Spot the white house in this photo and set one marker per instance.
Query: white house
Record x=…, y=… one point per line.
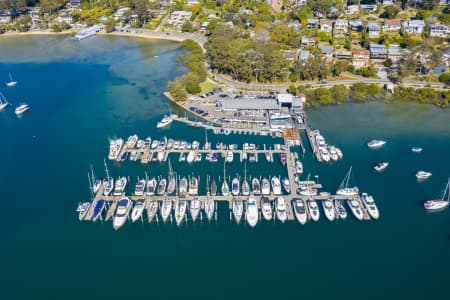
x=5, y=18
x=414, y=26
x=179, y=17
x=392, y=25
x=373, y=29
x=326, y=25
x=340, y=27
x=439, y=30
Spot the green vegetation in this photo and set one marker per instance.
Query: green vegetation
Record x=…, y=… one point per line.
x=423, y=95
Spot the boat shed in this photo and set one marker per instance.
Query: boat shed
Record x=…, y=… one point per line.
x=230, y=104
x=285, y=99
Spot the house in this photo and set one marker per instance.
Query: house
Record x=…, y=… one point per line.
x=326, y=25
x=356, y=25
x=5, y=18
x=192, y=2
x=303, y=55
x=301, y=2
x=327, y=51
x=351, y=9
x=75, y=3
x=439, y=30
x=289, y=55
x=373, y=29
x=340, y=27
x=360, y=58
x=369, y=7
x=64, y=18
x=312, y=23
x=387, y=2
x=212, y=17
x=343, y=54
x=378, y=52
x=308, y=41
x=179, y=17
x=295, y=26
x=392, y=25
x=204, y=26
x=395, y=53
x=414, y=26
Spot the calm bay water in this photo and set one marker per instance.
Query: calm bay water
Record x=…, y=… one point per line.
x=82, y=93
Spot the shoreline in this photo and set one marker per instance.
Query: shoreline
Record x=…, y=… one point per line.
x=35, y=32
x=142, y=35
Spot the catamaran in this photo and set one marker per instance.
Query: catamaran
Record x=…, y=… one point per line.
x=180, y=211
x=235, y=186
x=340, y=209
x=11, y=82
x=108, y=183
x=300, y=210
x=21, y=109
x=152, y=209
x=138, y=209
x=440, y=203
x=376, y=143
x=122, y=212
x=238, y=210
x=3, y=102
x=140, y=187
x=193, y=186
x=265, y=189
x=370, y=205
x=266, y=208
x=251, y=213
x=276, y=185
x=344, y=189
x=119, y=188
x=280, y=209
x=328, y=208
x=356, y=209
x=98, y=209
x=151, y=187
x=166, y=208
x=161, y=187
x=256, y=187
x=313, y=210
x=194, y=209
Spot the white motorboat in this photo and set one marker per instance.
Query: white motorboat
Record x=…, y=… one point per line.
x=276, y=185
x=21, y=109
x=339, y=153
x=108, y=185
x=209, y=207
x=376, y=143
x=11, y=82
x=433, y=205
x=193, y=186
x=154, y=144
x=3, y=102
x=140, y=188
x=160, y=156
x=416, y=149
x=229, y=157
x=256, y=187
x=379, y=167
x=238, y=210
x=165, y=121
x=286, y=185
x=161, y=189
x=138, y=209
x=151, y=187
x=265, y=188
x=83, y=209
x=131, y=142
x=166, y=209
x=198, y=157
x=120, y=185
x=195, y=207
x=298, y=167
x=152, y=210
x=170, y=143
x=140, y=144
x=195, y=145
x=370, y=205
x=122, y=212
x=356, y=209
x=328, y=208
x=320, y=141
x=340, y=209
x=281, y=209
x=344, y=189
x=421, y=175
x=180, y=211
x=114, y=148
x=266, y=208
x=251, y=214
x=300, y=210
x=235, y=186
x=190, y=157
x=323, y=151
x=333, y=153
x=313, y=209
x=183, y=187
x=307, y=191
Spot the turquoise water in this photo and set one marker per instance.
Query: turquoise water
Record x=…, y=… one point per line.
x=82, y=93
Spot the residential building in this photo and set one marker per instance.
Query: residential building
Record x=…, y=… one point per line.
x=303, y=55
x=360, y=58
x=327, y=51
x=308, y=41
x=378, y=52
x=5, y=18
x=369, y=7
x=392, y=25
x=295, y=26
x=343, y=54
x=340, y=27
x=439, y=30
x=387, y=2
x=395, y=53
x=373, y=29
x=356, y=25
x=64, y=18
x=312, y=23
x=352, y=9
x=179, y=17
x=204, y=26
x=326, y=25
x=191, y=2
x=414, y=26
x=75, y=3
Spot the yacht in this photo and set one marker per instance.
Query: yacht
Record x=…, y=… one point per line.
x=166, y=209
x=235, y=186
x=180, y=211
x=3, y=102
x=108, y=186
x=286, y=185
x=195, y=207
x=416, y=149
x=131, y=142
x=11, y=82
x=256, y=187
x=213, y=187
x=340, y=209
x=229, y=157
x=140, y=144
x=307, y=191
x=439, y=203
x=83, y=209
x=140, y=187
x=154, y=144
x=344, y=189
x=183, y=188
x=265, y=189
x=268, y=157
x=172, y=185
x=123, y=157
x=328, y=208
x=165, y=121
x=21, y=109
x=283, y=159
x=280, y=209
x=209, y=207
x=266, y=208
x=161, y=187
x=122, y=212
x=376, y=144
x=298, y=167
x=152, y=209
x=214, y=157
x=324, y=154
x=423, y=175
x=151, y=187
x=276, y=185
x=356, y=209
x=320, y=141
x=198, y=157
x=313, y=210
x=333, y=153
x=147, y=143
x=251, y=213
x=162, y=143
x=191, y=157
x=379, y=167
x=339, y=153
x=195, y=145
x=193, y=186
x=245, y=188
x=98, y=209
x=160, y=156
x=120, y=185
x=170, y=143
x=182, y=157
x=138, y=210
x=238, y=210
x=300, y=210
x=370, y=205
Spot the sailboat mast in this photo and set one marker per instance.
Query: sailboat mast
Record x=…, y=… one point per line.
x=106, y=169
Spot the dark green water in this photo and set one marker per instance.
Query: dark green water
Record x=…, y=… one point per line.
x=82, y=93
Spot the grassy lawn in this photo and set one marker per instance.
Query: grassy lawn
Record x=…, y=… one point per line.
x=206, y=87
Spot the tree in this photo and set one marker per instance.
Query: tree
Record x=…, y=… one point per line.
x=12, y=5
x=187, y=27
x=52, y=5
x=110, y=25
x=390, y=11
x=141, y=8
x=340, y=93
x=408, y=66
x=23, y=23
x=339, y=67
x=365, y=40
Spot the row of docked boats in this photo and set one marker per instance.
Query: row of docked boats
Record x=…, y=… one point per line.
x=256, y=186
x=324, y=152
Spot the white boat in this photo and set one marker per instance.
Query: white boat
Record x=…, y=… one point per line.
x=298, y=167
x=193, y=186
x=21, y=109
x=166, y=209
x=171, y=187
x=300, y=210
x=209, y=207
x=370, y=205
x=265, y=186
x=120, y=185
x=131, y=142
x=356, y=209
x=140, y=144
x=3, y=102
x=320, y=141
x=266, y=208
x=423, y=175
x=333, y=153
x=433, y=205
x=245, y=188
x=122, y=212
x=286, y=185
x=138, y=209
x=183, y=187
x=140, y=188
x=344, y=189
x=151, y=187
x=307, y=191
x=251, y=214
x=276, y=185
x=195, y=145
x=170, y=143
x=161, y=189
x=180, y=211
x=235, y=186
x=340, y=209
x=95, y=182
x=213, y=187
x=225, y=188
x=194, y=208
x=198, y=157
x=376, y=143
x=83, y=209
x=108, y=183
x=280, y=209
x=152, y=209
x=339, y=153
x=11, y=82
x=191, y=156
x=115, y=146
x=313, y=209
x=328, y=208
x=379, y=167
x=229, y=157
x=182, y=157
x=154, y=144
x=256, y=187
x=416, y=149
x=160, y=156
x=165, y=121
x=324, y=154
x=238, y=210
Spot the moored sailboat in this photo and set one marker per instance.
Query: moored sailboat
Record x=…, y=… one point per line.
x=344, y=189
x=138, y=209
x=152, y=209
x=439, y=203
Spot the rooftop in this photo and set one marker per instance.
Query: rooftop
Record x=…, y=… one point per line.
x=250, y=104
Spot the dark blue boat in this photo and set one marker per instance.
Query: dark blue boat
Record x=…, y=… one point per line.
x=124, y=156
x=98, y=209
